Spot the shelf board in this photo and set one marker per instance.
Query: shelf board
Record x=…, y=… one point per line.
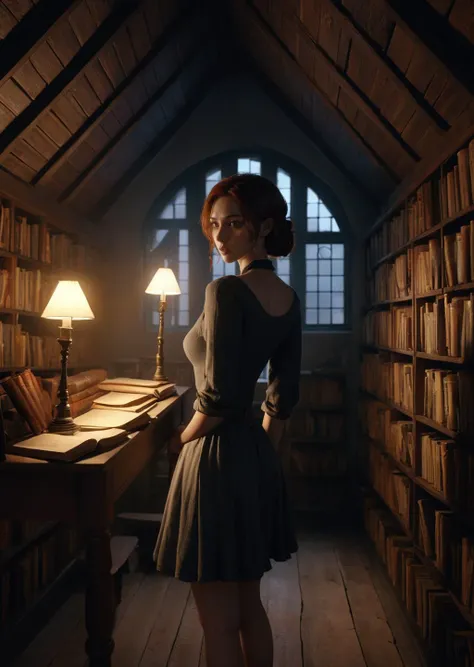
x=390, y=404
x=459, y=288
x=437, y=427
x=441, y=358
x=16, y=311
x=388, y=302
x=394, y=350
x=428, y=295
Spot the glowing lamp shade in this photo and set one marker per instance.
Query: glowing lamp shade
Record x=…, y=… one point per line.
x=163, y=282
x=68, y=301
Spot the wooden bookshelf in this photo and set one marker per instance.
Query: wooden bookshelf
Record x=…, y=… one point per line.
x=315, y=446
x=34, y=255
x=417, y=397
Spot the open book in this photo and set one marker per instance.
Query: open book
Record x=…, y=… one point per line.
x=101, y=419
x=57, y=447
x=155, y=388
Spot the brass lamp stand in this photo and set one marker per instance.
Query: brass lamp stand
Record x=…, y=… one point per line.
x=162, y=283
x=63, y=422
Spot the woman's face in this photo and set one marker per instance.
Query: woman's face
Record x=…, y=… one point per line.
x=229, y=231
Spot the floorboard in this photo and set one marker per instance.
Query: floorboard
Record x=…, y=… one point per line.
x=329, y=605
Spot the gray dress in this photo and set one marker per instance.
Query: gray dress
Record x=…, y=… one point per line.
x=227, y=512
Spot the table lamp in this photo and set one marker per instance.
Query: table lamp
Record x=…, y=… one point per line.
x=162, y=283
x=67, y=303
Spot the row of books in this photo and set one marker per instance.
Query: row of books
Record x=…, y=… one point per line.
x=22, y=289
x=442, y=626
x=395, y=435
x=392, y=485
x=13, y=532
x=388, y=380
x=307, y=424
x=23, y=579
x=457, y=185
x=34, y=240
x=459, y=256
x=448, y=399
x=389, y=328
x=391, y=280
x=320, y=390
x=436, y=200
x=311, y=461
x=19, y=348
x=446, y=326
x=416, y=217
x=427, y=266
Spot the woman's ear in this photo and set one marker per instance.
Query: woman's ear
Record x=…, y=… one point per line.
x=266, y=227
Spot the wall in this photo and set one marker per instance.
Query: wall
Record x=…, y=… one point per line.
x=236, y=114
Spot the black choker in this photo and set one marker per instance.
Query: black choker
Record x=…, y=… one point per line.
x=259, y=264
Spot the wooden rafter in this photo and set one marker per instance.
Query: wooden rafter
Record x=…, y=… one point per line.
x=40, y=105
x=450, y=49
x=161, y=140
x=85, y=176
x=364, y=103
x=34, y=27
x=360, y=139
x=403, y=85
x=317, y=138
x=66, y=150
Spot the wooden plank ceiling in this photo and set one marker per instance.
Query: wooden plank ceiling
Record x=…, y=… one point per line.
x=91, y=89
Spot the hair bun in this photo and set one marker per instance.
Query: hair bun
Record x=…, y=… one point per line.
x=280, y=241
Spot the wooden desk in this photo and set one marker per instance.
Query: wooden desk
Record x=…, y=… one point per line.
x=84, y=493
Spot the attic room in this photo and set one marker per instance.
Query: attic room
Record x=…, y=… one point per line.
x=198, y=473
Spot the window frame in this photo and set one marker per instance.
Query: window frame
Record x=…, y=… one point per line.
x=194, y=181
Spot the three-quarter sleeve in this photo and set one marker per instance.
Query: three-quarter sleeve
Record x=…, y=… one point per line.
x=284, y=375
x=221, y=395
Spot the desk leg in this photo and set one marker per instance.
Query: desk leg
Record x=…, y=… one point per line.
x=100, y=600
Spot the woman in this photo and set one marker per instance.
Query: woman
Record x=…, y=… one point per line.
x=227, y=511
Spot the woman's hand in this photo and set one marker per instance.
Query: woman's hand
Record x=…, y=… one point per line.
x=175, y=444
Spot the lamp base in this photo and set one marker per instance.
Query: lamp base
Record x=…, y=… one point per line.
x=159, y=376
x=65, y=426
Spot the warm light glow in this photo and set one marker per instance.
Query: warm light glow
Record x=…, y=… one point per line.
x=68, y=301
x=163, y=282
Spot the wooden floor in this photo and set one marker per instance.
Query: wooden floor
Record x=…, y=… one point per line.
x=330, y=606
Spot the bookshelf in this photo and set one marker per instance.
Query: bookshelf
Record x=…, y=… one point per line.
x=34, y=255
x=314, y=456
x=416, y=407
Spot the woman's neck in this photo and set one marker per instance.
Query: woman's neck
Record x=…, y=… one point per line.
x=245, y=261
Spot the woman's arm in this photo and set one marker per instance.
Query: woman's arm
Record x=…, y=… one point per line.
x=199, y=425
x=274, y=428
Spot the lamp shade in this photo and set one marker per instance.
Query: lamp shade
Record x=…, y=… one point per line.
x=163, y=282
x=68, y=300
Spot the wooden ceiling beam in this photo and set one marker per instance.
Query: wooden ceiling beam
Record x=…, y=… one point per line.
x=33, y=29
x=373, y=49
x=360, y=139
x=450, y=49
x=161, y=140
x=84, y=177
x=40, y=105
x=68, y=148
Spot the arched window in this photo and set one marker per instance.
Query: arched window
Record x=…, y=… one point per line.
x=317, y=268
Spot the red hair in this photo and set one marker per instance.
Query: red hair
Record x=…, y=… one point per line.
x=258, y=199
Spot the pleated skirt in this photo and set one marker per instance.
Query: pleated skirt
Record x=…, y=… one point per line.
x=227, y=514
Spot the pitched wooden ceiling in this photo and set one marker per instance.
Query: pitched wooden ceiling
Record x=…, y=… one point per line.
x=91, y=89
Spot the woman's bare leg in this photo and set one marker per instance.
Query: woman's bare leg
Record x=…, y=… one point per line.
x=255, y=630
x=219, y=611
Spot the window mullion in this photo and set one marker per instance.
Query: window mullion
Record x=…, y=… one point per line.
x=297, y=257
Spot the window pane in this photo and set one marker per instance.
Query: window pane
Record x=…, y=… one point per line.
x=324, y=283
x=312, y=300
x=311, y=196
x=283, y=179
x=323, y=211
x=334, y=226
x=212, y=178
x=312, y=224
x=176, y=208
x=183, y=318
x=324, y=224
x=159, y=235
x=312, y=210
x=255, y=167
x=243, y=165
